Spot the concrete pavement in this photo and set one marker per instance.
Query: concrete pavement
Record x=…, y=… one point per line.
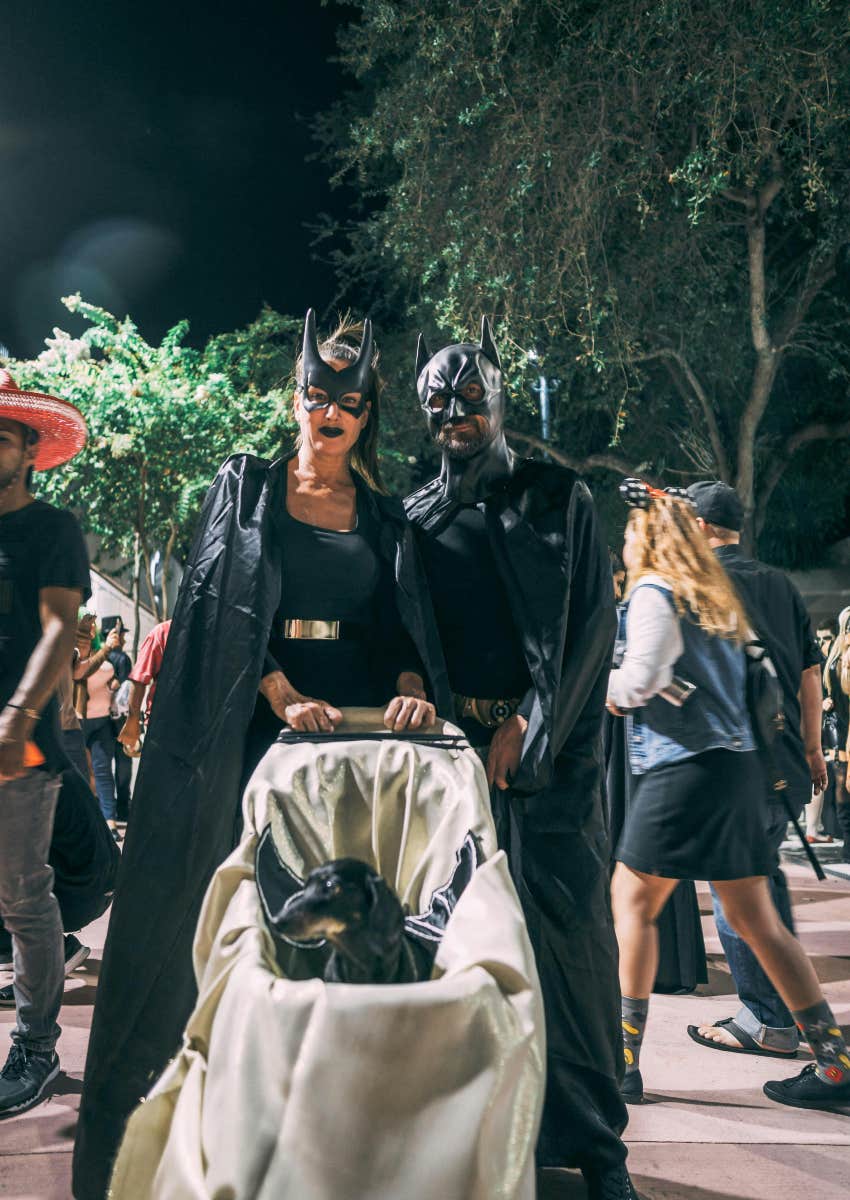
x=707, y=1131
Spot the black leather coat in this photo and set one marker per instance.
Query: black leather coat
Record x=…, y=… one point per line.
x=186, y=802
x=545, y=540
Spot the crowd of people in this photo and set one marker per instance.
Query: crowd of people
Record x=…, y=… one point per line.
x=486, y=598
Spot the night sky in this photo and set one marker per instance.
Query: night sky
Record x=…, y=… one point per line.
x=152, y=157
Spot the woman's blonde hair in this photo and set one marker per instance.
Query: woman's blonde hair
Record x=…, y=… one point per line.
x=839, y=655
x=344, y=343
x=669, y=543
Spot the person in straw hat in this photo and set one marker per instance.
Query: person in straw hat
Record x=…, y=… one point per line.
x=44, y=577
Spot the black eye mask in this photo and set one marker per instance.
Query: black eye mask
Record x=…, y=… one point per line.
x=337, y=386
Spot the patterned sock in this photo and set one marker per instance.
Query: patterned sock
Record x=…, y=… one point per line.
x=817, y=1025
x=634, y=1023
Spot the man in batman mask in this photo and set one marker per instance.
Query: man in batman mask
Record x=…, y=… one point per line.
x=522, y=593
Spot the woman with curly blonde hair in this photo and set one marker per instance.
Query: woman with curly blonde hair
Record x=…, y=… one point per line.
x=698, y=809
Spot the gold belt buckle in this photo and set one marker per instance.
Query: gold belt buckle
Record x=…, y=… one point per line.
x=298, y=629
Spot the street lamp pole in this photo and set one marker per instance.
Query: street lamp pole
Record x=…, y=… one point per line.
x=545, y=387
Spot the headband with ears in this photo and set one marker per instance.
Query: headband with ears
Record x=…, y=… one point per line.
x=638, y=494
x=352, y=378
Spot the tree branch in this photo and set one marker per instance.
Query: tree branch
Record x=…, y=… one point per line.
x=166, y=563
x=709, y=415
x=768, y=194
x=758, y=288
x=817, y=431
x=816, y=280
x=590, y=462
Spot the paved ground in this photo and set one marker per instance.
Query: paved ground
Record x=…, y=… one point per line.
x=707, y=1132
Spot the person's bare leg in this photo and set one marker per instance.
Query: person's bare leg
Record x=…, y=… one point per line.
x=637, y=901
x=750, y=910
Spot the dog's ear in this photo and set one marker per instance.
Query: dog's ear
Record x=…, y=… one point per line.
x=385, y=921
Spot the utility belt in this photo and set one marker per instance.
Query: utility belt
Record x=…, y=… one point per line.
x=489, y=713
x=300, y=629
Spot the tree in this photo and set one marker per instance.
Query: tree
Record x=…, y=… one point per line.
x=161, y=420
x=652, y=197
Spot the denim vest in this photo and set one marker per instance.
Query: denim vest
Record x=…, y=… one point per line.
x=714, y=718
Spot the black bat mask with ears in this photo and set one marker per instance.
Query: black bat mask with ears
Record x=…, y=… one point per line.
x=461, y=389
x=338, y=387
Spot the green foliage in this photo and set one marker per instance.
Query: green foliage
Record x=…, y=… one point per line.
x=611, y=181
x=161, y=420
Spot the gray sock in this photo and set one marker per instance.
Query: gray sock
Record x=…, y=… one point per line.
x=634, y=1014
x=820, y=1029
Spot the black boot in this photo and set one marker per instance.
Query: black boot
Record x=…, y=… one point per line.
x=609, y=1183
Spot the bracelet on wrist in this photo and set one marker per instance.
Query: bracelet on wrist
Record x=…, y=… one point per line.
x=32, y=713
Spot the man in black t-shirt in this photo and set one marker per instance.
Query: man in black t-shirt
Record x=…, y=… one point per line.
x=763, y=1025
x=44, y=577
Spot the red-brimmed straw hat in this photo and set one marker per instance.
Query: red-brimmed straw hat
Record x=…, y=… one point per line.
x=60, y=426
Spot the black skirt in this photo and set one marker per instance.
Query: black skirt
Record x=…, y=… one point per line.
x=681, y=947
x=702, y=818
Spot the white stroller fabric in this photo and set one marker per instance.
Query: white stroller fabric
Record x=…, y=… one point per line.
x=288, y=1088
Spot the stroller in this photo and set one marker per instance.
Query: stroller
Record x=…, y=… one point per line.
x=291, y=1088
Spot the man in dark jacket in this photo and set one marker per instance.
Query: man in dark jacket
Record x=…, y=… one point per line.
x=522, y=593
x=763, y=1025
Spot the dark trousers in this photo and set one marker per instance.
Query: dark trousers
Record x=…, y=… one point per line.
x=101, y=745
x=29, y=908
x=123, y=767
x=842, y=806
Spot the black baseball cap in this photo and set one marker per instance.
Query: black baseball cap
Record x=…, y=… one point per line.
x=717, y=504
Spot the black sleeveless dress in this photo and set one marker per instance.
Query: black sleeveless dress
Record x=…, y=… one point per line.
x=330, y=575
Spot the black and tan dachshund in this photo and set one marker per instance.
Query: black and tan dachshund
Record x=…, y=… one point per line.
x=346, y=903
x=348, y=906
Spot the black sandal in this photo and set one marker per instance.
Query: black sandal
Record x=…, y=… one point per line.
x=748, y=1045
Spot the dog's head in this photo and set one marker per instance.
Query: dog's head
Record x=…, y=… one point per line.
x=341, y=898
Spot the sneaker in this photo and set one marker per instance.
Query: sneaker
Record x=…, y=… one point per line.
x=631, y=1089
x=806, y=1090
x=7, y=997
x=75, y=953
x=24, y=1078
x=613, y=1183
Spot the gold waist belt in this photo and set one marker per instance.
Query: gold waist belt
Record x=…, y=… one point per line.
x=299, y=629
x=490, y=713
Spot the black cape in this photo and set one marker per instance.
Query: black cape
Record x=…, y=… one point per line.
x=186, y=803
x=553, y=823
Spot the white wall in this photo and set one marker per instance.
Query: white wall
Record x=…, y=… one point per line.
x=109, y=599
